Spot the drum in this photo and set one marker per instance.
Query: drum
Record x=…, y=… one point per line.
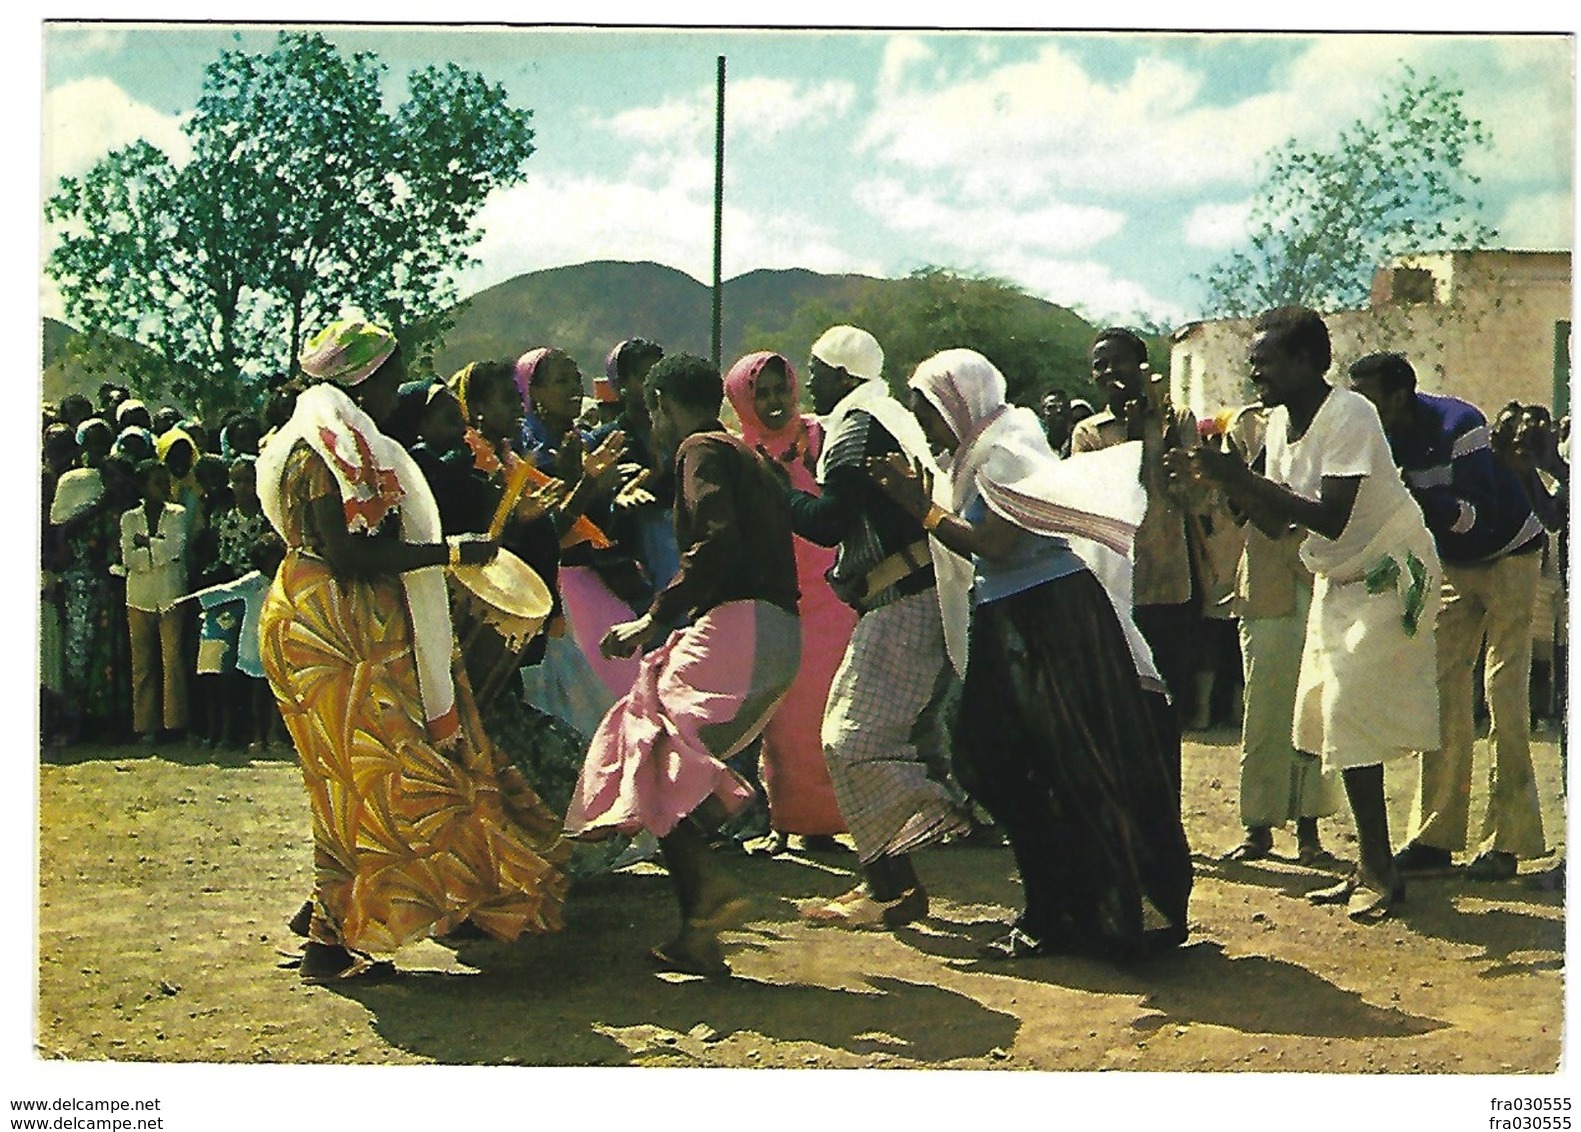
x=498, y=609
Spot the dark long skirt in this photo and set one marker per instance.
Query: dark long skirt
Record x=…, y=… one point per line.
x=1075, y=760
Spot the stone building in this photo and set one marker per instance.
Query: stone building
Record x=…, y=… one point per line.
x=1484, y=326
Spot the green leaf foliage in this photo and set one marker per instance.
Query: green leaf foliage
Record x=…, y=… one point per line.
x=303, y=198
x=1327, y=216
x=1036, y=345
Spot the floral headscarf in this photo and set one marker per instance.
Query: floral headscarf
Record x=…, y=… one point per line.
x=347, y=352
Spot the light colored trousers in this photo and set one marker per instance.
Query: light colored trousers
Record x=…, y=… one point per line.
x=158, y=679
x=1278, y=782
x=1496, y=599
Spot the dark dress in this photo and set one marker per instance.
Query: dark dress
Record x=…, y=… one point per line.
x=1058, y=739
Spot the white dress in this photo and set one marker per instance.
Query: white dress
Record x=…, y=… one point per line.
x=1368, y=689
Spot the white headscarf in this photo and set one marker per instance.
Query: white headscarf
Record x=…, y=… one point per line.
x=375, y=475
x=1095, y=500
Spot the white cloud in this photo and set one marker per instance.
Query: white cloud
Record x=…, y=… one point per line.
x=1089, y=287
x=762, y=110
x=757, y=111
x=902, y=54
x=1044, y=123
x=1217, y=226
x=558, y=220
x=1054, y=227
x=86, y=119
x=1540, y=221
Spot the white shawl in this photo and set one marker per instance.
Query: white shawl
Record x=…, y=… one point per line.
x=1095, y=499
x=375, y=475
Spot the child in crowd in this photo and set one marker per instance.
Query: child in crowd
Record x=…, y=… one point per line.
x=228, y=649
x=236, y=521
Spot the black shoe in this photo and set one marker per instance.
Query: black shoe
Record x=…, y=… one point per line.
x=1419, y=858
x=1493, y=865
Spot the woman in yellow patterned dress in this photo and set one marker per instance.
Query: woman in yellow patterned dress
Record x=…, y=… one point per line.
x=420, y=826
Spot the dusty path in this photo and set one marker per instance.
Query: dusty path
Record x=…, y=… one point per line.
x=165, y=880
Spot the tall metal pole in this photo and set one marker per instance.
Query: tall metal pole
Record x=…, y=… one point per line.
x=719, y=206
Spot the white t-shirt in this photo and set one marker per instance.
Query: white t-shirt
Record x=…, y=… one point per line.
x=1345, y=439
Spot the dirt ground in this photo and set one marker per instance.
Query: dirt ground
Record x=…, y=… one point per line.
x=165, y=879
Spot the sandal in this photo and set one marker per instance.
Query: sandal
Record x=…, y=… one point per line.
x=1315, y=857
x=1334, y=894
x=332, y=963
x=1493, y=865
x=820, y=843
x=677, y=958
x=1015, y=944
x=1371, y=902
x=863, y=911
x=1247, y=851
x=730, y=913
x=301, y=920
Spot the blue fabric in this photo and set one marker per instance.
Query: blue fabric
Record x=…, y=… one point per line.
x=1473, y=504
x=228, y=625
x=1033, y=560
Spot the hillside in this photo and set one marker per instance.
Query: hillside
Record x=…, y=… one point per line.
x=72, y=365
x=587, y=308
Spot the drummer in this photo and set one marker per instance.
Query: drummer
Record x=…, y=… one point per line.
x=656, y=761
x=550, y=755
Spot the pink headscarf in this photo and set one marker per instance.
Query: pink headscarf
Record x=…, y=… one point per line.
x=796, y=442
x=526, y=366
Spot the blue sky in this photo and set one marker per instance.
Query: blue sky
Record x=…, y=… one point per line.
x=1100, y=170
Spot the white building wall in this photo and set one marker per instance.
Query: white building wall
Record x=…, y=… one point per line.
x=1488, y=337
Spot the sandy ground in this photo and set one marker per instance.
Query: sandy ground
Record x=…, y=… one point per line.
x=165, y=879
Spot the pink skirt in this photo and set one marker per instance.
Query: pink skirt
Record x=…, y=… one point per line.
x=591, y=608
x=706, y=693
x=795, y=777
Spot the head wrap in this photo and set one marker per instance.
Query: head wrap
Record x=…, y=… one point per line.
x=618, y=354
x=1095, y=499
x=794, y=442
x=847, y=346
x=347, y=352
x=851, y=349
x=535, y=439
x=134, y=443
x=169, y=439
x=91, y=426
x=405, y=424
x=526, y=366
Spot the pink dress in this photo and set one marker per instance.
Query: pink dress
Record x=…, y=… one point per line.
x=800, y=795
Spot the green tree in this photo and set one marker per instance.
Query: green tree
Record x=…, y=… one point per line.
x=1036, y=345
x=303, y=198
x=1326, y=217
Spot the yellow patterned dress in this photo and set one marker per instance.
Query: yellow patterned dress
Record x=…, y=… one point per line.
x=408, y=840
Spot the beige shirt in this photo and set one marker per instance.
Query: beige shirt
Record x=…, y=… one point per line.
x=156, y=574
x=1162, y=571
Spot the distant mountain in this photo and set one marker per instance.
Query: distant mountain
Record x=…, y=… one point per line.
x=72, y=364
x=586, y=309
